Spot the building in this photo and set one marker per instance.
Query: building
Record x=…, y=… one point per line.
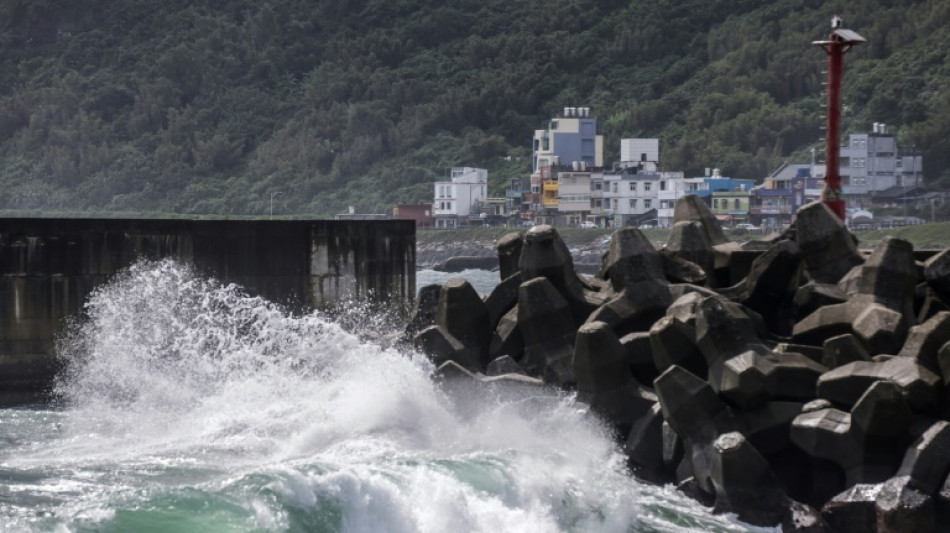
x=632, y=196
x=644, y=153
x=458, y=198
x=421, y=213
x=731, y=207
x=874, y=162
x=567, y=141
x=773, y=204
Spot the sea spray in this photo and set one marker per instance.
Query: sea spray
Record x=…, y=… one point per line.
x=187, y=405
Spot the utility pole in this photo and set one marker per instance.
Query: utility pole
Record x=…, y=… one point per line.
x=839, y=42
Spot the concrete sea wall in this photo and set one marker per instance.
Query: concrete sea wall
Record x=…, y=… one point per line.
x=49, y=266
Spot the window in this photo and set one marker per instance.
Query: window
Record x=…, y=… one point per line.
x=616, y=203
x=614, y=188
x=647, y=203
x=735, y=204
x=633, y=203
x=633, y=186
x=662, y=185
x=646, y=186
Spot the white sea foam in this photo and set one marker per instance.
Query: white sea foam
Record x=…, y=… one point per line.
x=179, y=389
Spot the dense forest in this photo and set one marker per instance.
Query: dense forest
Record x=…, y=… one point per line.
x=224, y=106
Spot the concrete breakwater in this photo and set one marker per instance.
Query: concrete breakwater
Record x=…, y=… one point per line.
x=49, y=266
x=806, y=387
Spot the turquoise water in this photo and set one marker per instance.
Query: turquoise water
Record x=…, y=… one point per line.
x=189, y=407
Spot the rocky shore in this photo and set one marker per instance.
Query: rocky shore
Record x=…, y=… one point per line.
x=468, y=253
x=806, y=388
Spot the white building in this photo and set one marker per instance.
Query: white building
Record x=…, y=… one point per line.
x=642, y=152
x=629, y=195
x=574, y=195
x=456, y=199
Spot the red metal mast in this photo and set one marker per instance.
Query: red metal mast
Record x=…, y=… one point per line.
x=839, y=42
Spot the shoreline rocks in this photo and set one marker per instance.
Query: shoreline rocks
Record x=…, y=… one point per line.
x=810, y=391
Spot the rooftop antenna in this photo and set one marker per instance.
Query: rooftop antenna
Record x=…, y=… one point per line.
x=839, y=42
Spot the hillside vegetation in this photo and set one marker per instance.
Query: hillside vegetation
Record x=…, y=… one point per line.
x=214, y=106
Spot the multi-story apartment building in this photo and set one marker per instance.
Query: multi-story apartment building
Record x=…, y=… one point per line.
x=635, y=196
x=456, y=199
x=569, y=140
x=571, y=137
x=872, y=163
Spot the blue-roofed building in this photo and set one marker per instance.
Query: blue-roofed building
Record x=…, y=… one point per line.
x=774, y=203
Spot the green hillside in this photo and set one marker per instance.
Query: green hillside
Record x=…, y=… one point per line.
x=214, y=106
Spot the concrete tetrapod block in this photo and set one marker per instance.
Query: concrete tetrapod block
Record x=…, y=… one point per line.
x=826, y=322
x=767, y=427
x=826, y=434
x=502, y=299
x=879, y=421
x=689, y=241
x=644, y=447
x=928, y=302
x=673, y=446
x=843, y=349
x=828, y=249
x=770, y=286
x=603, y=377
x=925, y=340
x=723, y=329
x=503, y=365
x=751, y=378
x=845, y=385
x=848, y=284
x=463, y=314
x=507, y=339
x=674, y=343
x=509, y=254
x=685, y=308
x=889, y=276
x=548, y=330
x=424, y=310
x=640, y=356
x=812, y=296
x=882, y=329
x=691, y=407
x=635, y=308
x=943, y=360
x=440, y=347
x=866, y=443
x=545, y=255
x=631, y=259
x=680, y=270
x=937, y=272
x=902, y=508
x=855, y=509
x=740, y=380
x=692, y=208
x=927, y=461
x=744, y=483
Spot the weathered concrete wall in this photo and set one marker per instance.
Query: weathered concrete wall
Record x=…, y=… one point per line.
x=49, y=266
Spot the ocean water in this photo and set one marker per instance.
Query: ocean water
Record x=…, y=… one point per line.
x=483, y=281
x=187, y=406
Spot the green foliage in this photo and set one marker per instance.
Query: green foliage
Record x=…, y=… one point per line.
x=211, y=107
